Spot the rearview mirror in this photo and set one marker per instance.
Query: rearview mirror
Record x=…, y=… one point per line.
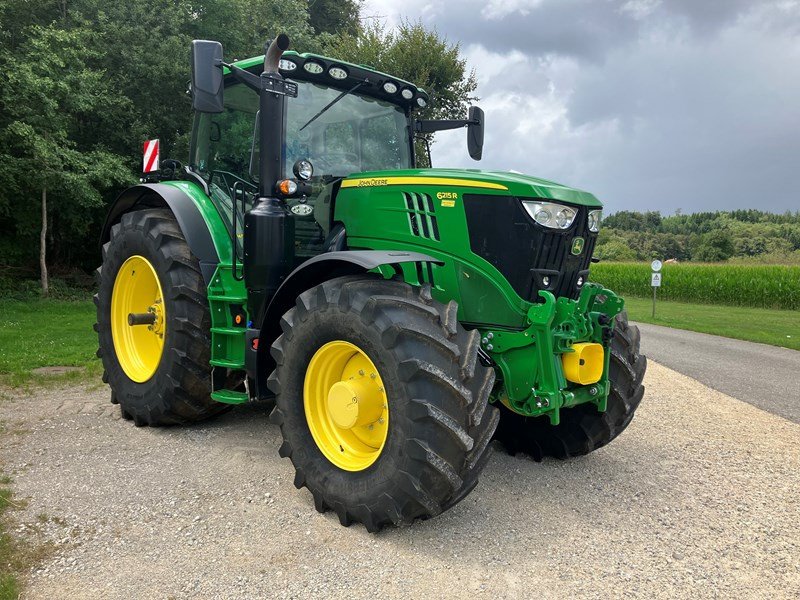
x=475, y=133
x=207, y=76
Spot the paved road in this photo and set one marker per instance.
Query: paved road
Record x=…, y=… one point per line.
x=765, y=376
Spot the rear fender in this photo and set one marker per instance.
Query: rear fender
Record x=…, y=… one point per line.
x=184, y=202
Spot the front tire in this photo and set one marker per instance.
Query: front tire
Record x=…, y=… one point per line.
x=159, y=374
x=438, y=423
x=583, y=428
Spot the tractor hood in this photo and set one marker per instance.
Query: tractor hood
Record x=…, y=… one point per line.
x=483, y=182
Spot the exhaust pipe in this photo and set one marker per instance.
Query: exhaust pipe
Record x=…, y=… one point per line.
x=272, y=58
x=268, y=226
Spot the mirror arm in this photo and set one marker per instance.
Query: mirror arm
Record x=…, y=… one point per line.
x=246, y=77
x=441, y=125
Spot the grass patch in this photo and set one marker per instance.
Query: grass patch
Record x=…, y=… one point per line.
x=767, y=326
x=47, y=333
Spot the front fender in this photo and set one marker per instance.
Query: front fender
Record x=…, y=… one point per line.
x=311, y=273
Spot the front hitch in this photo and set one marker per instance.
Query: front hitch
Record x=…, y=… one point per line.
x=531, y=363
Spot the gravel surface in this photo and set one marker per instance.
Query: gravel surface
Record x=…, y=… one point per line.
x=699, y=498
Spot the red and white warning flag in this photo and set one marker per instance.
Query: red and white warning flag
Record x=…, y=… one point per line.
x=150, y=162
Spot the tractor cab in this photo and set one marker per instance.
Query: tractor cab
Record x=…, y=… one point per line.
x=344, y=119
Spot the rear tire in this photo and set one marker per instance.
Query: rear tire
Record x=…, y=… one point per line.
x=583, y=428
x=178, y=390
x=439, y=420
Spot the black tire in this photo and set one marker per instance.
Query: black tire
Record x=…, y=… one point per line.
x=178, y=392
x=440, y=425
x=583, y=428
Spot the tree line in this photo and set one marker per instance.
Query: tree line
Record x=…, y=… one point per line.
x=84, y=82
x=749, y=235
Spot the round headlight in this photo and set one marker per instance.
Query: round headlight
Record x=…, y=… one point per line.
x=313, y=68
x=564, y=217
x=594, y=220
x=303, y=169
x=389, y=88
x=337, y=73
x=421, y=102
x=542, y=216
x=407, y=93
x=287, y=65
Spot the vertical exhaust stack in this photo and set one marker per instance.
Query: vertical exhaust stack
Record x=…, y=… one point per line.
x=268, y=226
x=271, y=126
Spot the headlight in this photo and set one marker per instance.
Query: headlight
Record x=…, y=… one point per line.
x=550, y=214
x=337, y=73
x=303, y=169
x=594, y=220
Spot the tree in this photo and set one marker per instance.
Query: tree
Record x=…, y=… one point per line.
x=714, y=246
x=37, y=135
x=335, y=16
x=616, y=250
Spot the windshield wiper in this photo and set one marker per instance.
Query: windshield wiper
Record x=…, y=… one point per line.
x=332, y=102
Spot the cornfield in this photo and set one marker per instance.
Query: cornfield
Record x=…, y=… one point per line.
x=762, y=286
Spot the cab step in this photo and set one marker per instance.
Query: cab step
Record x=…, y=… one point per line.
x=229, y=397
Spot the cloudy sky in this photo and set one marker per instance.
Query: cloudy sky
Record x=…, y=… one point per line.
x=650, y=104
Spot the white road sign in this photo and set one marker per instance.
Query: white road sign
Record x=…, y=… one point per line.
x=656, y=265
x=655, y=280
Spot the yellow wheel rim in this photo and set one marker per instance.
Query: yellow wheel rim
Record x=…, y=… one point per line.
x=346, y=406
x=137, y=291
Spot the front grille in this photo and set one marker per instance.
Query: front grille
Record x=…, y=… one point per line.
x=421, y=216
x=502, y=232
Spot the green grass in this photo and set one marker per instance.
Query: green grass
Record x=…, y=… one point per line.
x=757, y=286
x=47, y=333
x=768, y=326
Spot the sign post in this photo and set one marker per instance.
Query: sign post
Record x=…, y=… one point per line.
x=655, y=281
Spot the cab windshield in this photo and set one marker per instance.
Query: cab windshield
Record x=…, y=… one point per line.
x=356, y=134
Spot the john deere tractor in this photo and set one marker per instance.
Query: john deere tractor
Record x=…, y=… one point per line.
x=399, y=318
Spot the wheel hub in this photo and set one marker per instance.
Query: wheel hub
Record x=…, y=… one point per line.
x=356, y=402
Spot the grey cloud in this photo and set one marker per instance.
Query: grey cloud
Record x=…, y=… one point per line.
x=684, y=104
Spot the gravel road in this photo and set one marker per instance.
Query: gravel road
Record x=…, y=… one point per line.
x=699, y=498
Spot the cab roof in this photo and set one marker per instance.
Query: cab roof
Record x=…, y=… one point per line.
x=318, y=69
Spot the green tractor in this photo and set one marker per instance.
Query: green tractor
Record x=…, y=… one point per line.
x=399, y=318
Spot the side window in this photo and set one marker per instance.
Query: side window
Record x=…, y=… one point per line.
x=231, y=151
